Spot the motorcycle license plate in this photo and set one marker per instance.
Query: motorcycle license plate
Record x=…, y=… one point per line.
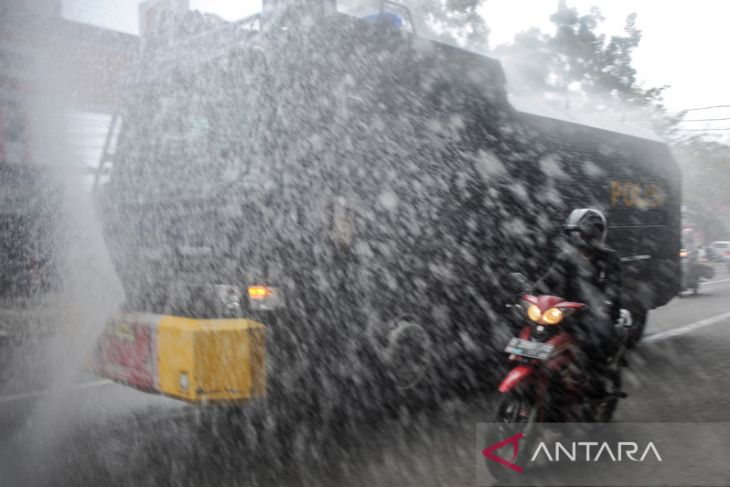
x=527, y=348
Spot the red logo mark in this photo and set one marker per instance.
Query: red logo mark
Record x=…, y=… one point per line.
x=514, y=440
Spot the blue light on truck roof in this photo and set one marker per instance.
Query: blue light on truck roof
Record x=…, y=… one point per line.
x=387, y=18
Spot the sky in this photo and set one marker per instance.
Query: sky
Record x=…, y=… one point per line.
x=684, y=43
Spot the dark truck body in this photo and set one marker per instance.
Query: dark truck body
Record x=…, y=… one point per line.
x=374, y=178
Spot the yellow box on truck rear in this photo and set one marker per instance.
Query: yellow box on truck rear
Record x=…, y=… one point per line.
x=197, y=360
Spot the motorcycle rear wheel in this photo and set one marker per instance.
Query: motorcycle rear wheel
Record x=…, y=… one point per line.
x=636, y=332
x=603, y=409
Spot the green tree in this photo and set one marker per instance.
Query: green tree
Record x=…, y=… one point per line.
x=452, y=21
x=706, y=173
x=580, y=61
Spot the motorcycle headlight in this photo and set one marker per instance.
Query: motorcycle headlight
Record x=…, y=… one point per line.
x=553, y=316
x=534, y=312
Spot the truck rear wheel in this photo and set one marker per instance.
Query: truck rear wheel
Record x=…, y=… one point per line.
x=404, y=357
x=408, y=354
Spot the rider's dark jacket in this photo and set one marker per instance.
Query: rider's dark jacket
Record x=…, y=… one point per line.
x=592, y=277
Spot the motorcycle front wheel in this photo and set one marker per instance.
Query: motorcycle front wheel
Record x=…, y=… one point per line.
x=513, y=409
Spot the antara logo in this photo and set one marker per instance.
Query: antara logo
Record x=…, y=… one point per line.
x=577, y=451
x=515, y=441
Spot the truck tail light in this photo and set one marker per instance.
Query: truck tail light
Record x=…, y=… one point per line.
x=262, y=297
x=259, y=292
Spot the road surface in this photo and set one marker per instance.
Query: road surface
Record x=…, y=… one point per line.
x=93, y=432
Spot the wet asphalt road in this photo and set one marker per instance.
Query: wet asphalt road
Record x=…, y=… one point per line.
x=99, y=433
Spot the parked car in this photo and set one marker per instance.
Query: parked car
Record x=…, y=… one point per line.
x=706, y=254
x=721, y=251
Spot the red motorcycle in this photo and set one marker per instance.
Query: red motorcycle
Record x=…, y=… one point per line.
x=549, y=382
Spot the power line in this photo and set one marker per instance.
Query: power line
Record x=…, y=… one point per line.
x=705, y=108
x=704, y=130
x=705, y=119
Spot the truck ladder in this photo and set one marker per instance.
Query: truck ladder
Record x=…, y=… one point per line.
x=108, y=151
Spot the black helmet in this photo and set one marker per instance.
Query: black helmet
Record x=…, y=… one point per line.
x=589, y=224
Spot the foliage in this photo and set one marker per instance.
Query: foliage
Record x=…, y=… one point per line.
x=577, y=59
x=452, y=21
x=706, y=170
x=580, y=64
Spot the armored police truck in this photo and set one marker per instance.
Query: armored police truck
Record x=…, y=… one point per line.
x=357, y=194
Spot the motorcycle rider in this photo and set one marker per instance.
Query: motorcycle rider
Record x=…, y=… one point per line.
x=588, y=272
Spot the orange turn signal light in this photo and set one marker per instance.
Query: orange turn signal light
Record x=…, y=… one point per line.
x=259, y=292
